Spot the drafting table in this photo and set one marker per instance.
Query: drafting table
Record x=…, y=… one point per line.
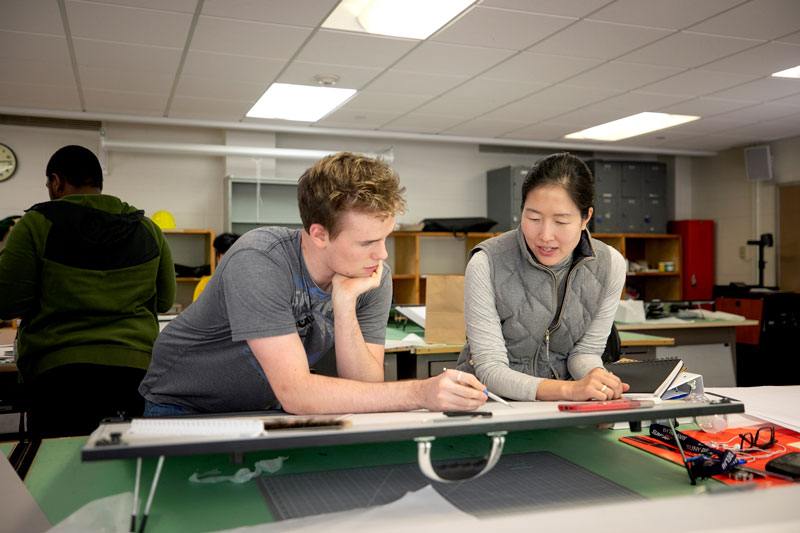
x=61, y=483
x=708, y=347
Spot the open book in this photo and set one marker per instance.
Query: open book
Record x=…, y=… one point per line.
x=647, y=378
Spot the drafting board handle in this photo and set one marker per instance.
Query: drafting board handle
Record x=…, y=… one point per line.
x=459, y=471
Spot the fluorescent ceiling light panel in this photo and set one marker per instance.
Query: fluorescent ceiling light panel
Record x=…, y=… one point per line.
x=631, y=126
x=305, y=103
x=793, y=72
x=413, y=19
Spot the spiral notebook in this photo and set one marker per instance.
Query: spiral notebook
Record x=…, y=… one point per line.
x=652, y=377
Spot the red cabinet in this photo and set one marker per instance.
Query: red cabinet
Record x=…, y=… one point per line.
x=697, y=257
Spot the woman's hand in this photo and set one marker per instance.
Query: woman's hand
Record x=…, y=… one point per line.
x=600, y=384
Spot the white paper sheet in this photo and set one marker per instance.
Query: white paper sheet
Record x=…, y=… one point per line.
x=412, y=339
x=415, y=313
x=778, y=405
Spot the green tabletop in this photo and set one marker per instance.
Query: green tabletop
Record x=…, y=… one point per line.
x=7, y=447
x=61, y=483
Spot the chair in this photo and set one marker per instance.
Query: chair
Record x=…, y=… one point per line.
x=613, y=347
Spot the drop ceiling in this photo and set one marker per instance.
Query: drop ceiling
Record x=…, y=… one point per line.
x=516, y=70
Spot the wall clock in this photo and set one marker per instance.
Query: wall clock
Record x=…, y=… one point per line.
x=8, y=162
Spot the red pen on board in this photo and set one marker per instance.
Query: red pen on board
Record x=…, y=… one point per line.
x=609, y=405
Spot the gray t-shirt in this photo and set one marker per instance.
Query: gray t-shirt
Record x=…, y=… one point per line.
x=261, y=288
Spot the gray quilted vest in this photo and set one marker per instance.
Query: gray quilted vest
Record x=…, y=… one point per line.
x=538, y=337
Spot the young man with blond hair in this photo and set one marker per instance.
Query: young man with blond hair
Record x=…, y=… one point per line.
x=281, y=299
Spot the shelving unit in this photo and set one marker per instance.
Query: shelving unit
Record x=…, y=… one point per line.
x=250, y=203
x=190, y=247
x=653, y=248
x=414, y=255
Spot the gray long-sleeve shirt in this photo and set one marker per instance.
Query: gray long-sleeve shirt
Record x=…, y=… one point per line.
x=486, y=336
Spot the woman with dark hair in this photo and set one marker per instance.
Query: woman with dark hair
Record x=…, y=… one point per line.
x=539, y=301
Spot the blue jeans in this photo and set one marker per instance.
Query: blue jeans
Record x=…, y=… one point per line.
x=162, y=409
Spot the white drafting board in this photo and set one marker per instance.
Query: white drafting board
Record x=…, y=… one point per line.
x=113, y=440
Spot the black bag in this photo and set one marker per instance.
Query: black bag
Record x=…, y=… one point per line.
x=458, y=225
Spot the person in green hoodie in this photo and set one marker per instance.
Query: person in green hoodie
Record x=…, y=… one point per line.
x=87, y=274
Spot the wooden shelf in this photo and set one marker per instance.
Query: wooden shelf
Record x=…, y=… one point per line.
x=653, y=248
x=190, y=247
x=413, y=255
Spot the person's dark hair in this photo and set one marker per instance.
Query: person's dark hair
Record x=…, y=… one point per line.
x=224, y=241
x=76, y=165
x=566, y=171
x=344, y=181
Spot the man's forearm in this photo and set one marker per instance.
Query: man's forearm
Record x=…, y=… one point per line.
x=338, y=396
x=354, y=360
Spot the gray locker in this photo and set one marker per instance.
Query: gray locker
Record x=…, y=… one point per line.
x=654, y=193
x=504, y=196
x=632, y=179
x=606, y=217
x=632, y=215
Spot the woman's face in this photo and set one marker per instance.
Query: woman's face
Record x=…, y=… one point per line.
x=551, y=223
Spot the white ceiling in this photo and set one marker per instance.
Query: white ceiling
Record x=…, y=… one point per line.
x=525, y=70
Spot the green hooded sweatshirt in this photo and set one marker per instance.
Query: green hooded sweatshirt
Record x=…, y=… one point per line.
x=87, y=274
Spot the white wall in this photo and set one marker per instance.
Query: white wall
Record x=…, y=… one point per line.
x=742, y=209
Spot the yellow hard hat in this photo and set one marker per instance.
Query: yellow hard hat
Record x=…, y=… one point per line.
x=163, y=220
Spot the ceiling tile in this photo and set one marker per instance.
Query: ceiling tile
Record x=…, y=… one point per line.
x=762, y=90
x=297, y=12
x=549, y=103
x=368, y=120
x=673, y=14
x=500, y=28
x=112, y=79
x=793, y=38
x=540, y=68
x=637, y=102
x=98, y=101
x=178, y=6
x=775, y=18
x=127, y=24
x=688, y=49
x=221, y=88
x=336, y=47
x=762, y=60
x=793, y=100
x=441, y=58
x=600, y=40
x=498, y=92
x=46, y=96
x=697, y=82
x=32, y=47
x=395, y=103
x=760, y=112
x=542, y=131
x=414, y=83
x=704, y=107
x=484, y=128
x=119, y=56
x=567, y=8
x=588, y=116
x=622, y=76
x=34, y=16
x=59, y=74
x=771, y=129
x=350, y=77
x=716, y=142
x=418, y=122
x=466, y=108
x=257, y=39
x=231, y=67
x=189, y=107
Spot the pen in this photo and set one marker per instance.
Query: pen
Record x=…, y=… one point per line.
x=495, y=397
